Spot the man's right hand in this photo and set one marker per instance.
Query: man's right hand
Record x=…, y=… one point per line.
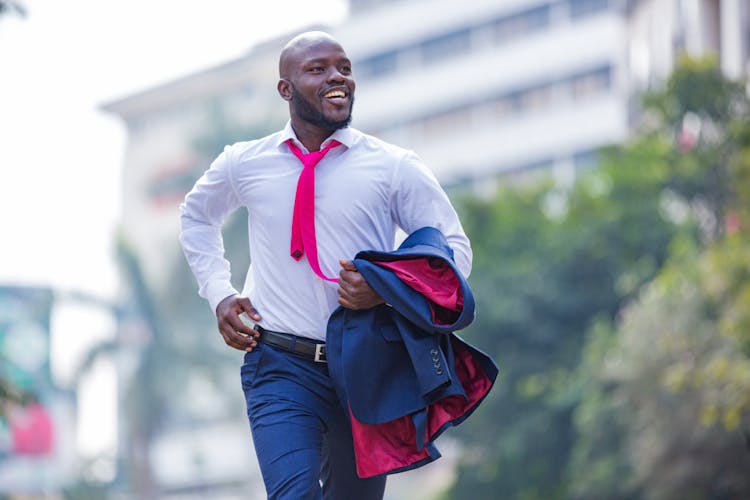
x=235, y=332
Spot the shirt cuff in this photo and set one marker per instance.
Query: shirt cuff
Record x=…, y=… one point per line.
x=217, y=291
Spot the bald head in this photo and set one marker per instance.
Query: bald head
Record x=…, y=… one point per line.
x=294, y=51
x=315, y=78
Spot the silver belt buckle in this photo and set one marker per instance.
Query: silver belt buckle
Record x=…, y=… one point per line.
x=320, y=353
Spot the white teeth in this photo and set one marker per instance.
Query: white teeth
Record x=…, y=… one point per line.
x=335, y=93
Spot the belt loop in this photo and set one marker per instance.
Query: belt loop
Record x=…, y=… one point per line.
x=292, y=342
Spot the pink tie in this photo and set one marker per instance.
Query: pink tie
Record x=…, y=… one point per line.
x=303, y=218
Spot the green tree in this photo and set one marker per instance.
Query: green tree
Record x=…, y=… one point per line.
x=552, y=265
x=705, y=117
x=668, y=389
x=542, y=277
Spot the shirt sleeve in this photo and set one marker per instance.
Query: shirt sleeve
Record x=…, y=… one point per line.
x=418, y=200
x=203, y=213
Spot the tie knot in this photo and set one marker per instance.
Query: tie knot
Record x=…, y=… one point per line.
x=311, y=159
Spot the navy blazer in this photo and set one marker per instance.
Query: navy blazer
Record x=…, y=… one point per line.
x=403, y=372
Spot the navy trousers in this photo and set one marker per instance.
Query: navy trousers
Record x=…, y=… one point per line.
x=301, y=432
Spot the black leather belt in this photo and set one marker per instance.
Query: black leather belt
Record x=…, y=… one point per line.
x=306, y=348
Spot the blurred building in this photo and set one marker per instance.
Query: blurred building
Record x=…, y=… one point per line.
x=483, y=91
x=660, y=31
x=37, y=456
x=507, y=87
x=502, y=87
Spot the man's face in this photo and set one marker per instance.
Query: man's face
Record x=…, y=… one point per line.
x=322, y=86
x=308, y=112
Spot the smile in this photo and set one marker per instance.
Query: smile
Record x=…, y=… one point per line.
x=335, y=94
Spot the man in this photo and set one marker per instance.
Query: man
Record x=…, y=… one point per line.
x=364, y=189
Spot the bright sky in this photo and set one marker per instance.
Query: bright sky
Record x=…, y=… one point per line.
x=61, y=158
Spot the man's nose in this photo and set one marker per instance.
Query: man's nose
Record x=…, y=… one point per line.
x=336, y=76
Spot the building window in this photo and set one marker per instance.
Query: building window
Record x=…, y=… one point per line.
x=444, y=46
x=510, y=27
x=505, y=106
x=590, y=83
x=457, y=42
x=580, y=8
x=448, y=121
x=536, y=98
x=529, y=100
x=377, y=65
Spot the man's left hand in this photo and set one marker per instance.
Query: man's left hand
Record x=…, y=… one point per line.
x=354, y=291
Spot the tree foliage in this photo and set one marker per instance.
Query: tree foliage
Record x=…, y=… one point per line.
x=672, y=386
x=542, y=278
x=554, y=270
x=667, y=411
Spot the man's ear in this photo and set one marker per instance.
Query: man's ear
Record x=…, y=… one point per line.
x=285, y=89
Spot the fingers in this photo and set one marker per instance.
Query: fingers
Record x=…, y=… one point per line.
x=350, y=282
x=233, y=329
x=349, y=274
x=354, y=291
x=247, y=306
x=346, y=297
x=235, y=339
x=347, y=265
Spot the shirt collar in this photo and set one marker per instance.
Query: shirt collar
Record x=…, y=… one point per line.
x=345, y=136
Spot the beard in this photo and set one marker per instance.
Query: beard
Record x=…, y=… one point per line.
x=307, y=112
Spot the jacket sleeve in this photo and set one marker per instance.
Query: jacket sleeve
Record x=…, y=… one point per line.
x=413, y=304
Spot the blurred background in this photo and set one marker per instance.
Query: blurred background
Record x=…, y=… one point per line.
x=598, y=152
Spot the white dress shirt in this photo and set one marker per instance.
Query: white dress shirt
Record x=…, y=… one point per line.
x=364, y=190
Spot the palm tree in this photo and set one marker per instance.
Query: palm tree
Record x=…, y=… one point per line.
x=147, y=341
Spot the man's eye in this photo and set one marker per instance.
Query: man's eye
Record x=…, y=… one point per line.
x=346, y=69
x=317, y=69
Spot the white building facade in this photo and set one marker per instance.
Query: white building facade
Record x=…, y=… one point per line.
x=500, y=87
